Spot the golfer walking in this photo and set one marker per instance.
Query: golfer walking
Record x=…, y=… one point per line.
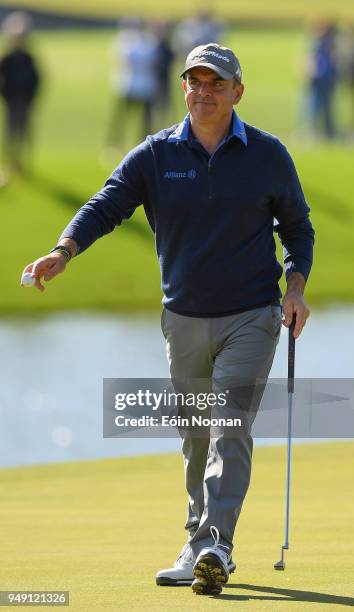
x=214, y=189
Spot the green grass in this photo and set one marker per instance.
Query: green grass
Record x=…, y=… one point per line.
x=260, y=10
x=102, y=529
x=120, y=272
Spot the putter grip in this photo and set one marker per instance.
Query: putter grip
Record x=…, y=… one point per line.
x=291, y=357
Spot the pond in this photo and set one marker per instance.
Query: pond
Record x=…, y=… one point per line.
x=52, y=370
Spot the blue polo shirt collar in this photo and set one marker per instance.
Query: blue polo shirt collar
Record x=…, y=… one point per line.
x=182, y=131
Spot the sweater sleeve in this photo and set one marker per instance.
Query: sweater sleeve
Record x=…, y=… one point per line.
x=124, y=190
x=291, y=213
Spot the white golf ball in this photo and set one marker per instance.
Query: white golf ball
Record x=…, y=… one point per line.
x=27, y=280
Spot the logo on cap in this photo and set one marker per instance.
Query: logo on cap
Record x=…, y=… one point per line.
x=226, y=59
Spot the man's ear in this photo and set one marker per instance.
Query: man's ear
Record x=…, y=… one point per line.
x=184, y=85
x=238, y=93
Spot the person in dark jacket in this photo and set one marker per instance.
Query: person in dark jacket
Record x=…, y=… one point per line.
x=19, y=83
x=211, y=188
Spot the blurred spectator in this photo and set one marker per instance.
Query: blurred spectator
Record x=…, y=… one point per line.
x=165, y=58
x=350, y=74
x=199, y=29
x=346, y=49
x=322, y=77
x=19, y=82
x=135, y=81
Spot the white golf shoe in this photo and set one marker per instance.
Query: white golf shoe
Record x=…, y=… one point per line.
x=211, y=568
x=181, y=574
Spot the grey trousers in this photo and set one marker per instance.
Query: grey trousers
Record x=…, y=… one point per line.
x=225, y=351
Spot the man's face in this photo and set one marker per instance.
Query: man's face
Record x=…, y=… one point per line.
x=209, y=98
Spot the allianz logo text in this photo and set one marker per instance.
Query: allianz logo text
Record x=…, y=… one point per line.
x=170, y=174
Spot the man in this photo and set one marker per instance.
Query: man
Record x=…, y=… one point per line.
x=211, y=188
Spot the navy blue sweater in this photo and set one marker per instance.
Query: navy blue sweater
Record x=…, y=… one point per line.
x=213, y=216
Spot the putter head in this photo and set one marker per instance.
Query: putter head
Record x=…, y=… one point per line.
x=279, y=565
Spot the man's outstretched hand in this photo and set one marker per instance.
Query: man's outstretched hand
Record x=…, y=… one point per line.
x=294, y=303
x=46, y=267
x=50, y=265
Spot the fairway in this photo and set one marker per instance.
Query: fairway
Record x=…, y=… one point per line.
x=102, y=529
x=120, y=272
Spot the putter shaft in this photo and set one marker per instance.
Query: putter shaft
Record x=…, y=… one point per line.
x=280, y=565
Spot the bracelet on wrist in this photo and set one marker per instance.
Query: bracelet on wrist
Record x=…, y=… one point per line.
x=64, y=251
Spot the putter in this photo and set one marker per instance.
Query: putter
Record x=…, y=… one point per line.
x=280, y=565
